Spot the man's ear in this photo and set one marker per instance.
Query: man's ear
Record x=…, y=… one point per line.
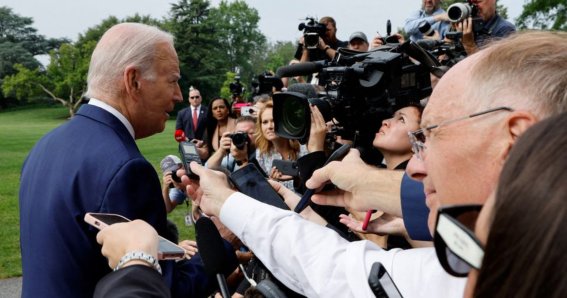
x=132, y=80
x=517, y=124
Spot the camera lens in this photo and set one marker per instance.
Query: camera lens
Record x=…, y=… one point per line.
x=293, y=120
x=239, y=139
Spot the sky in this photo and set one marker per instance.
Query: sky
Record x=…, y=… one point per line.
x=278, y=19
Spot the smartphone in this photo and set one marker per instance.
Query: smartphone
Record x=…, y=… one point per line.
x=381, y=283
x=250, y=181
x=287, y=167
x=167, y=250
x=188, y=152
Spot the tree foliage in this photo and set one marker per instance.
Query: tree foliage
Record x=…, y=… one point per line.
x=543, y=14
x=19, y=43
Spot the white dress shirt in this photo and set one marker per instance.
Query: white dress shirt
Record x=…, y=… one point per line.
x=316, y=262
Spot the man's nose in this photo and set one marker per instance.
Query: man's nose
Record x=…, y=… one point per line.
x=416, y=168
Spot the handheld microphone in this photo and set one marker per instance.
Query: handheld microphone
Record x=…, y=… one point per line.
x=211, y=248
x=180, y=136
x=306, y=198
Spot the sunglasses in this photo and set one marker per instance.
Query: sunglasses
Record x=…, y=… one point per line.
x=457, y=247
x=193, y=97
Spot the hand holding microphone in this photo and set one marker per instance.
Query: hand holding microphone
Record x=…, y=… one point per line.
x=180, y=136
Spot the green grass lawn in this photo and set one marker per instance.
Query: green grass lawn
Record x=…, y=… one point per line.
x=19, y=131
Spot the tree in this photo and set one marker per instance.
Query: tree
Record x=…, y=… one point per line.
x=64, y=80
x=543, y=14
x=198, y=48
x=19, y=43
x=239, y=35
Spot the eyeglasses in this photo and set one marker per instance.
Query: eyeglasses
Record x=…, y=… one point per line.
x=417, y=137
x=457, y=248
x=193, y=97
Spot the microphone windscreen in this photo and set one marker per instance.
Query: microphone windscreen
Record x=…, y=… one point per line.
x=298, y=69
x=211, y=246
x=179, y=135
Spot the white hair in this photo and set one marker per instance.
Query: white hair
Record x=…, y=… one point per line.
x=525, y=71
x=123, y=45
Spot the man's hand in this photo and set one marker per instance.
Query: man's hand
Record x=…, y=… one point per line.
x=210, y=192
x=466, y=26
x=120, y=238
x=360, y=186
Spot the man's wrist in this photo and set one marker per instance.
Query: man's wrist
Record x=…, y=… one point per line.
x=138, y=257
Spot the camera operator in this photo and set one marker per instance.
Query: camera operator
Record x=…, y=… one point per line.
x=494, y=26
x=358, y=42
x=431, y=13
x=327, y=46
x=237, y=147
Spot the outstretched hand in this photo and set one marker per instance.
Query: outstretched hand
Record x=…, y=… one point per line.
x=210, y=192
x=360, y=187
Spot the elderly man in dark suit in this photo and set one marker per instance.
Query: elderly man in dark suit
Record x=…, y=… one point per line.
x=92, y=164
x=192, y=120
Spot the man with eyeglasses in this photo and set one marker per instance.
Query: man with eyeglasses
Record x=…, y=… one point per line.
x=473, y=118
x=193, y=118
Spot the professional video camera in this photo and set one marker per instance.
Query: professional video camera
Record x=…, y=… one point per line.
x=312, y=30
x=265, y=84
x=236, y=87
x=361, y=89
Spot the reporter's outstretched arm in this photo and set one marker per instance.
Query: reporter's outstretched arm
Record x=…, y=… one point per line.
x=360, y=186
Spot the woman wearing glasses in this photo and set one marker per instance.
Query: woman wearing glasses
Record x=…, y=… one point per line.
x=519, y=244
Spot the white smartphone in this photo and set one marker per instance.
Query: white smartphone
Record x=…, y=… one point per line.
x=167, y=250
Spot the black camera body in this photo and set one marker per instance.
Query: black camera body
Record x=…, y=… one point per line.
x=312, y=30
x=361, y=90
x=266, y=83
x=240, y=139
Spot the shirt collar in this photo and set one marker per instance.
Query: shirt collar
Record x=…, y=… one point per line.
x=115, y=112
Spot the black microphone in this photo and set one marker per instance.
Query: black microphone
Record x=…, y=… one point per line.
x=211, y=248
x=299, y=69
x=429, y=44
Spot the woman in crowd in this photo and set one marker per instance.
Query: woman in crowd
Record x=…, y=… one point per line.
x=521, y=229
x=392, y=141
x=219, y=121
x=270, y=146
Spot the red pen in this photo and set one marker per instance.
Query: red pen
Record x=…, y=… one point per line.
x=367, y=219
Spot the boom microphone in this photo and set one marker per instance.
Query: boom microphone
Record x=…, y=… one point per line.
x=300, y=69
x=211, y=248
x=180, y=136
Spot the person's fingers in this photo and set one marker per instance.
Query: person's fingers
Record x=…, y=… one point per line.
x=352, y=156
x=321, y=176
x=332, y=198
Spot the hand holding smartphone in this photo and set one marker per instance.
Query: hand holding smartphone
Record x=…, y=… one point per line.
x=167, y=250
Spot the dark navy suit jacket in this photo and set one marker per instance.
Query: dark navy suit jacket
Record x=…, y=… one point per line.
x=185, y=122
x=89, y=164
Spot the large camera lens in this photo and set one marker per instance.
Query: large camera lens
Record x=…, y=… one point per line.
x=458, y=12
x=293, y=118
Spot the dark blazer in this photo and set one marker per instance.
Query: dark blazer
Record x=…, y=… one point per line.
x=185, y=122
x=89, y=164
x=132, y=281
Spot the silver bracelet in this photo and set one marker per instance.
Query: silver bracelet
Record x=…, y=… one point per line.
x=139, y=255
